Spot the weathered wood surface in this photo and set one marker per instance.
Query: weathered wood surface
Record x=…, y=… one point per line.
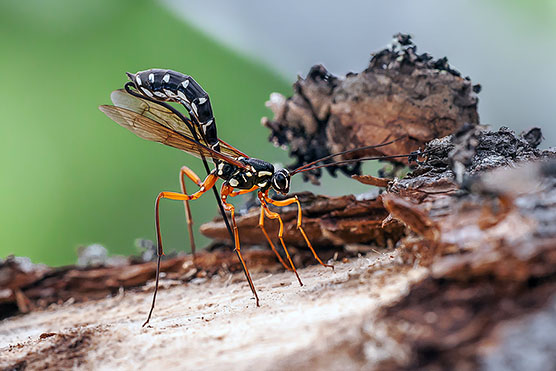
x=480, y=215
x=27, y=287
x=490, y=246
x=458, y=265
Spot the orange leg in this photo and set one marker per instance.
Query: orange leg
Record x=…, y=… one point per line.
x=191, y=175
x=273, y=215
x=209, y=182
x=290, y=201
x=242, y=191
x=224, y=193
x=261, y=225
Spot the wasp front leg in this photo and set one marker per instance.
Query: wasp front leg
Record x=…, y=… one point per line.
x=290, y=201
x=272, y=215
x=261, y=223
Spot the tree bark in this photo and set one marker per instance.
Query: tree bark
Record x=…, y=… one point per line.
x=455, y=266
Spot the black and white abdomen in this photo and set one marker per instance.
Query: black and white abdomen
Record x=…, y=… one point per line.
x=172, y=86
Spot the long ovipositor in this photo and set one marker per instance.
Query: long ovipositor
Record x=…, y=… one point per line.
x=172, y=86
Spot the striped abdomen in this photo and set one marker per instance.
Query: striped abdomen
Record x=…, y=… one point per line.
x=172, y=86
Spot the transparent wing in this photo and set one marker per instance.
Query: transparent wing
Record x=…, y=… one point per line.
x=147, y=128
x=165, y=117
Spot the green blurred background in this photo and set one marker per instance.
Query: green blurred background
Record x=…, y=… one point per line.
x=71, y=177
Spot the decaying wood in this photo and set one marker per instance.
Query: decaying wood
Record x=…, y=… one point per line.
x=460, y=271
x=330, y=222
x=27, y=286
x=401, y=93
x=480, y=213
x=491, y=250
x=215, y=324
x=372, y=180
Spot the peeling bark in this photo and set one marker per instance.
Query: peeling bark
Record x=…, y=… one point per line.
x=329, y=222
x=480, y=215
x=490, y=248
x=458, y=271
x=401, y=93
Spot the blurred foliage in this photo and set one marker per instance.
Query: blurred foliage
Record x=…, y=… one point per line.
x=72, y=177
x=541, y=11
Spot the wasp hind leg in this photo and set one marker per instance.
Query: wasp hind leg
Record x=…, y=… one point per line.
x=209, y=182
x=290, y=201
x=185, y=171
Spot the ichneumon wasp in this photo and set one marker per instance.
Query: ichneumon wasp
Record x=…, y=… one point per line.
x=141, y=108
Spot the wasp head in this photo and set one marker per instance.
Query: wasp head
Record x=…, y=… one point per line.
x=280, y=181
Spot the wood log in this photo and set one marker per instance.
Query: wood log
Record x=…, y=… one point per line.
x=460, y=270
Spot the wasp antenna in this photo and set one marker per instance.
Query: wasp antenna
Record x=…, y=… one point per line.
x=344, y=162
x=385, y=143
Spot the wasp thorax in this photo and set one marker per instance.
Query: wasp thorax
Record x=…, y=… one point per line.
x=280, y=181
